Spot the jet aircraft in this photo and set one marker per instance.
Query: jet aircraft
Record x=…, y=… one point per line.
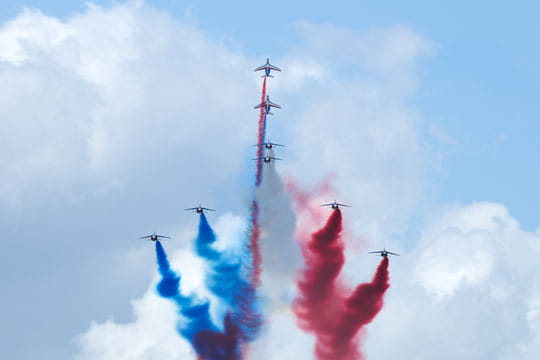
x=267, y=105
x=335, y=205
x=154, y=237
x=199, y=209
x=383, y=253
x=267, y=68
x=268, y=145
x=267, y=158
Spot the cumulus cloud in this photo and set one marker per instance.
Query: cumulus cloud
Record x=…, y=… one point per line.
x=468, y=290
x=94, y=101
x=94, y=98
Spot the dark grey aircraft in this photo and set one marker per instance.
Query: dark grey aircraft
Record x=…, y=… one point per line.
x=199, y=209
x=267, y=158
x=335, y=205
x=268, y=145
x=154, y=237
x=383, y=253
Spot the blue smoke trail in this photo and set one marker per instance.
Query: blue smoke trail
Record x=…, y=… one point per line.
x=224, y=279
x=196, y=312
x=199, y=330
x=224, y=273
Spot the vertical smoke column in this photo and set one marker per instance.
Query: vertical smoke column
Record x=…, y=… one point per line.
x=279, y=248
x=261, y=136
x=323, y=253
x=248, y=315
x=246, y=296
x=255, y=231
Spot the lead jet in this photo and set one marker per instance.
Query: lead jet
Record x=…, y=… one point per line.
x=335, y=205
x=268, y=145
x=267, y=105
x=199, y=209
x=154, y=237
x=267, y=68
x=383, y=253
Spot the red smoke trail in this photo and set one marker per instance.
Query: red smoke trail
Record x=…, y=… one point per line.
x=319, y=292
x=334, y=314
x=248, y=315
x=254, y=245
x=260, y=137
x=357, y=311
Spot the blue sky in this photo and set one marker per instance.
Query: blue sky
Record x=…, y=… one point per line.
x=476, y=106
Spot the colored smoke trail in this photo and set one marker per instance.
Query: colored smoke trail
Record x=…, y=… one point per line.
x=196, y=312
x=224, y=279
x=251, y=262
x=213, y=345
x=196, y=326
x=324, y=307
x=248, y=314
x=223, y=273
x=254, y=245
x=358, y=310
x=261, y=136
x=315, y=307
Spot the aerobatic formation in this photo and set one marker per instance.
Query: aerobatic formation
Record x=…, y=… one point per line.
x=323, y=305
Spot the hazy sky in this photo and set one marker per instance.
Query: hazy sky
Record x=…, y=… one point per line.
x=116, y=116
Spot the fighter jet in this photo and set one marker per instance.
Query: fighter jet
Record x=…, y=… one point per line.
x=267, y=68
x=383, y=253
x=267, y=158
x=335, y=205
x=154, y=237
x=268, y=145
x=199, y=209
x=268, y=105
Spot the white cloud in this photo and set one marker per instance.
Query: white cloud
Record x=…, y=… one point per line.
x=469, y=290
x=96, y=97
x=104, y=97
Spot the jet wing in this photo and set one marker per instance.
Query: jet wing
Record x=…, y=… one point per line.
x=375, y=252
x=342, y=205
x=272, y=67
x=146, y=237
x=267, y=66
x=259, y=106
x=191, y=209
x=269, y=103
x=208, y=209
x=392, y=253
x=327, y=204
x=262, y=67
